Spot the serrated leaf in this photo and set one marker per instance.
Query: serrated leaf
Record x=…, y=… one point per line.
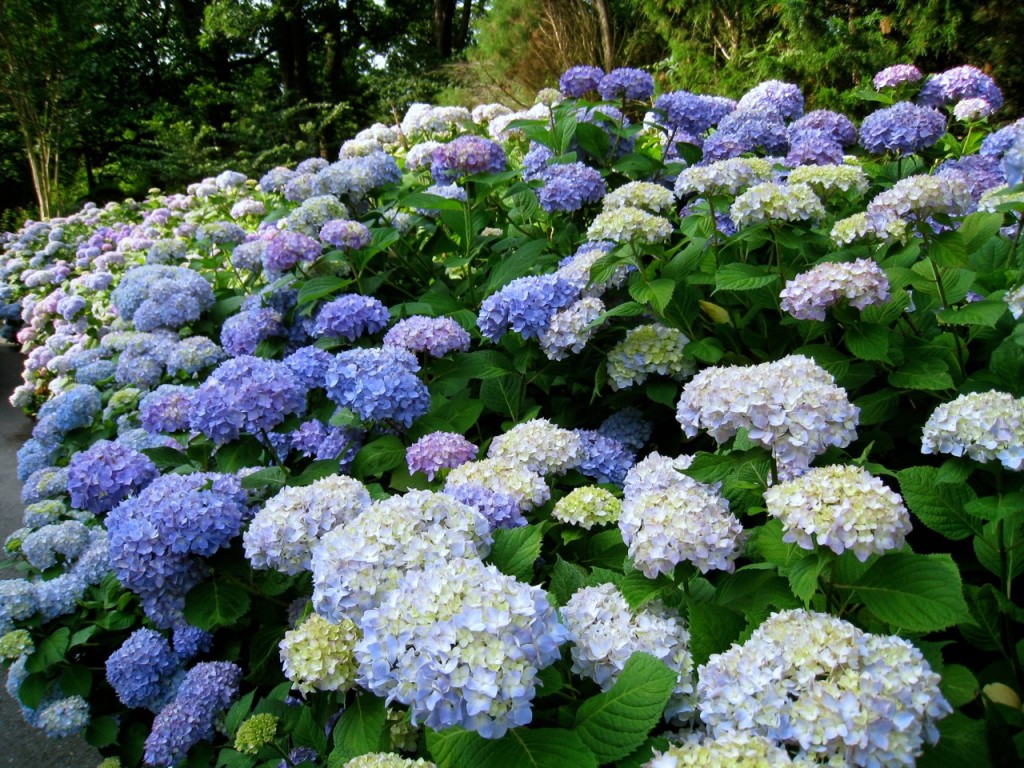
x=566, y=579
x=362, y=728
x=916, y=593
x=803, y=577
x=712, y=630
x=515, y=550
x=238, y=713
x=519, y=748
x=273, y=478
x=317, y=288
x=309, y=733
x=101, y=731
x=614, y=723
x=504, y=394
x=431, y=202
x=753, y=591
x=868, y=342
x=948, y=249
x=767, y=542
x=214, y=604
x=958, y=685
x=76, y=680
x=927, y=374
x=657, y=293
x=593, y=139
x=941, y=506
x=662, y=392
x=379, y=456
x=877, y=407
x=640, y=590
x=983, y=313
x=50, y=650
x=166, y=458
x=317, y=470
x=962, y=741
x=707, y=350
x=743, y=277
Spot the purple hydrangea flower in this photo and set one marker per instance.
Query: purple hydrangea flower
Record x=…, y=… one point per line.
x=896, y=75
x=320, y=441
x=902, y=128
x=626, y=83
x=536, y=161
x=287, y=249
x=1000, y=142
x=439, y=450
x=980, y=172
x=189, y=641
x=813, y=147
x=783, y=99
x=350, y=316
x=525, y=306
x=242, y=333
x=605, y=459
x=570, y=186
x=309, y=364
x=350, y=235
x=436, y=336
x=466, y=155
x=275, y=179
x=958, y=83
x=378, y=384
x=838, y=126
x=580, y=80
x=165, y=409
x=745, y=131
x=628, y=427
x=157, y=296
x=105, y=473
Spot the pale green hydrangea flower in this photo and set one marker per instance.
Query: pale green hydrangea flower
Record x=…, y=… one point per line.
x=588, y=506
x=776, y=202
x=255, y=733
x=648, y=349
x=629, y=224
x=640, y=194
x=317, y=655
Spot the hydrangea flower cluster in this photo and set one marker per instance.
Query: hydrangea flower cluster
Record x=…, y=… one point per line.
x=42, y=546
x=986, y=426
x=255, y=733
x=692, y=114
x=356, y=564
x=896, y=75
x=245, y=394
x=318, y=655
x=63, y=717
x=350, y=316
x=668, y=517
x=827, y=179
x=626, y=83
x=731, y=749
x=836, y=127
x=143, y=671
x=284, y=532
x=812, y=147
x=526, y=487
x=165, y=409
x=747, y=130
x=106, y=472
x=881, y=227
x=648, y=349
x=242, y=333
x=539, y=446
x=972, y=109
x=287, y=249
x=815, y=683
x=436, y=336
x=378, y=384
x=792, y=407
x=605, y=633
x=578, y=81
x=350, y=235
x=958, y=83
x=460, y=643
x=570, y=329
x=903, y=128
x=603, y=458
x=842, y=508
x=439, y=450
x=784, y=99
x=640, y=194
x=628, y=224
x=158, y=537
x=569, y=186
x=723, y=176
x=588, y=506
x=466, y=155
x=771, y=201
x=320, y=441
x=387, y=760
x=157, y=296
x=917, y=198
x=192, y=355
x=809, y=294
x=525, y=306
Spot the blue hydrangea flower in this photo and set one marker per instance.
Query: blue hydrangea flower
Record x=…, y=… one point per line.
x=165, y=409
x=245, y=395
x=784, y=99
x=105, y=473
x=58, y=596
x=309, y=364
x=190, y=356
x=439, y=450
x=813, y=147
x=902, y=128
x=350, y=316
x=747, y=130
x=142, y=670
x=189, y=641
x=570, y=186
x=157, y=296
x=690, y=113
x=341, y=233
x=358, y=177
x=604, y=459
x=628, y=427
x=536, y=161
x=243, y=332
x=436, y=336
x=525, y=306
x=63, y=717
x=45, y=483
x=275, y=179
x=626, y=83
x=980, y=172
x=896, y=75
x=287, y=249
x=578, y=81
x=466, y=155
x=34, y=455
x=378, y=384
x=964, y=82
x=999, y=142
x=74, y=408
x=838, y=126
x=316, y=440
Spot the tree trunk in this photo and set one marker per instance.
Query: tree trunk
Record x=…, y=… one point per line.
x=444, y=12
x=607, y=35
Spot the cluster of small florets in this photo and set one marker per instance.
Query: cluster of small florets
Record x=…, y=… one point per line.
x=603, y=458
x=159, y=296
x=378, y=384
x=165, y=409
x=760, y=129
x=972, y=109
x=439, y=450
x=901, y=129
x=436, y=336
x=570, y=329
x=815, y=683
x=958, y=83
x=526, y=487
x=648, y=349
x=629, y=225
x=387, y=760
x=809, y=294
x=986, y=426
x=640, y=194
x=158, y=536
x=355, y=564
x=588, y=506
x=466, y=155
x=460, y=643
x=569, y=186
x=143, y=670
x=313, y=214
x=74, y=408
x=917, y=198
x=245, y=395
x=242, y=333
x=578, y=81
x=771, y=201
x=106, y=472
x=287, y=249
x=525, y=306
x=283, y=533
x=320, y=441
x=350, y=316
x=896, y=75
x=842, y=508
x=605, y=633
x=723, y=177
x=811, y=147
x=837, y=127
x=341, y=233
x=791, y=406
x=826, y=179
x=880, y=228
x=785, y=99
x=576, y=269
x=626, y=83
x=255, y=733
x=357, y=177
x=190, y=356
x=426, y=121
x=691, y=113
x=318, y=655
x=207, y=690
x=668, y=517
x=981, y=173
x=64, y=717
x=538, y=445
x=1014, y=299
x=66, y=541
x=733, y=749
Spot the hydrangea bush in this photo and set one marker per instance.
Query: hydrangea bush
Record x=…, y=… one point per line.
x=631, y=429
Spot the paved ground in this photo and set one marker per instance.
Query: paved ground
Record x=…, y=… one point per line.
x=22, y=746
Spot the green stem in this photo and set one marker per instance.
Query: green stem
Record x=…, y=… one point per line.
x=960, y=356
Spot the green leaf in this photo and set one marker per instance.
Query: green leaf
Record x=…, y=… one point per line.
x=657, y=293
x=753, y=590
x=76, y=681
x=503, y=395
x=215, y=604
x=431, y=202
x=708, y=350
x=614, y=723
x=878, y=407
x=317, y=470
x=961, y=742
x=515, y=550
x=923, y=373
x=101, y=731
x=317, y=288
x=566, y=579
x=49, y=651
x=362, y=728
x=519, y=748
x=743, y=277
x=593, y=139
x=238, y=713
x=978, y=228
x=379, y=456
x=803, y=577
x=941, y=506
x=625, y=309
x=33, y=689
x=767, y=542
x=663, y=392
x=230, y=758
x=712, y=630
x=916, y=593
x=166, y=458
x=273, y=478
x=309, y=733
x=640, y=590
x=868, y=342
x=948, y=250
x=983, y=313
x=959, y=685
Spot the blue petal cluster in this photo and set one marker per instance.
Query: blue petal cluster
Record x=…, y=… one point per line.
x=570, y=186
x=288, y=249
x=626, y=83
x=142, y=670
x=243, y=332
x=691, y=113
x=436, y=336
x=165, y=409
x=158, y=296
x=105, y=473
x=350, y=316
x=525, y=306
x=901, y=128
x=378, y=384
x=784, y=99
x=466, y=155
x=578, y=81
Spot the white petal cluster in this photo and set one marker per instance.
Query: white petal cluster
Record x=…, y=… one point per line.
x=842, y=508
x=318, y=655
x=771, y=201
x=539, y=446
x=501, y=476
x=723, y=176
x=648, y=349
x=920, y=197
x=879, y=228
x=985, y=426
x=809, y=294
x=826, y=179
x=640, y=194
x=629, y=225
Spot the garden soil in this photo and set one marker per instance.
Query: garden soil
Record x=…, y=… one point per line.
x=20, y=744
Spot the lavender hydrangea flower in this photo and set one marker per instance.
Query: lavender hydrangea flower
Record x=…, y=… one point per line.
x=439, y=450
x=809, y=294
x=245, y=394
x=242, y=333
x=626, y=83
x=570, y=329
x=896, y=75
x=317, y=440
x=920, y=197
x=165, y=409
x=964, y=82
x=310, y=365
x=629, y=427
x=105, y=473
x=784, y=99
x=435, y=336
x=350, y=316
x=692, y=114
x=842, y=508
x=466, y=155
x=288, y=249
x=142, y=671
x=358, y=177
x=190, y=356
x=835, y=125
x=986, y=426
x=378, y=384
x=34, y=455
x=648, y=349
x=349, y=235
x=460, y=643
x=747, y=130
x=902, y=128
x=578, y=81
x=525, y=306
x=314, y=213
x=967, y=110
x=999, y=142
x=569, y=186
x=792, y=407
x=982, y=173
x=809, y=146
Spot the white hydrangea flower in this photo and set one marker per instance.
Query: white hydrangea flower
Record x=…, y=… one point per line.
x=862, y=283
x=640, y=194
x=842, y=508
x=629, y=224
x=569, y=329
x=318, y=655
x=880, y=228
x=921, y=197
x=538, y=445
x=826, y=179
x=985, y=426
x=723, y=176
x=648, y=349
x=771, y=201
x=524, y=485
